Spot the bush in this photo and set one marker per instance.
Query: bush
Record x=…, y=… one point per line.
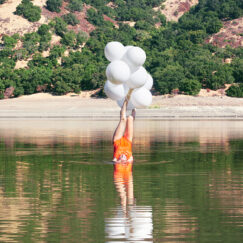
x=75, y=5
x=235, y=91
x=2, y=1
x=190, y=86
x=57, y=51
x=237, y=65
x=81, y=38
x=70, y=18
x=43, y=29
x=9, y=41
x=28, y=11
x=162, y=19
x=95, y=17
x=54, y=5
x=59, y=25
x=30, y=42
x=69, y=39
x=61, y=88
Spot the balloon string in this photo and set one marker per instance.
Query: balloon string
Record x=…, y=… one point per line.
x=129, y=94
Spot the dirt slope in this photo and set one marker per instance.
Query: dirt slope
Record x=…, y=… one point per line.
x=11, y=23
x=231, y=34
x=174, y=9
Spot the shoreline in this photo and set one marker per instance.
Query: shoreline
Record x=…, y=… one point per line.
x=179, y=107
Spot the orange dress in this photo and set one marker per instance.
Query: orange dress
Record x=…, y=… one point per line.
x=122, y=146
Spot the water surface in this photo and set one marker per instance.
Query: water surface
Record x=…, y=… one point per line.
x=57, y=182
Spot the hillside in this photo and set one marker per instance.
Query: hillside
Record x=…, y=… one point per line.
x=174, y=9
x=11, y=23
x=231, y=34
x=61, y=50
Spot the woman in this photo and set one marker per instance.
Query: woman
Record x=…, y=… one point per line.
x=123, y=135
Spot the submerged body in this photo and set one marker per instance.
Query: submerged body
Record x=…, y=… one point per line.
x=123, y=149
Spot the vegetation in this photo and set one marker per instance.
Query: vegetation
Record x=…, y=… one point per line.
x=75, y=5
x=28, y=11
x=235, y=90
x=54, y=5
x=177, y=56
x=2, y=1
x=70, y=19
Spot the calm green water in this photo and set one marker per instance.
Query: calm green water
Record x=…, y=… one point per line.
x=57, y=183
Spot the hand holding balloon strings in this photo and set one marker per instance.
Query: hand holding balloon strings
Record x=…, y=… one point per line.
x=127, y=78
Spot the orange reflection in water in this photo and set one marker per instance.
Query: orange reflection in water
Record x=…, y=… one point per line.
x=129, y=222
x=123, y=180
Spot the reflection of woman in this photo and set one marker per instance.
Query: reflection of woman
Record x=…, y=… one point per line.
x=129, y=223
x=122, y=141
x=124, y=183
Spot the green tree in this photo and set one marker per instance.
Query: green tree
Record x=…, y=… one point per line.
x=9, y=41
x=81, y=38
x=28, y=11
x=95, y=17
x=237, y=66
x=190, y=86
x=223, y=75
x=168, y=78
x=162, y=19
x=43, y=29
x=235, y=91
x=69, y=39
x=54, y=5
x=60, y=26
x=57, y=51
x=70, y=18
x=30, y=42
x=75, y=5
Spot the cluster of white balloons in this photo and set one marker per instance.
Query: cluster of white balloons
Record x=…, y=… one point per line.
x=125, y=72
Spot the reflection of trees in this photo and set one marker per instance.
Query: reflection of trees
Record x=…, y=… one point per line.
x=226, y=185
x=40, y=200
x=71, y=132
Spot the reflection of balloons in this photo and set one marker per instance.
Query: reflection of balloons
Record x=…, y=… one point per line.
x=114, y=51
x=141, y=98
x=135, y=56
x=114, y=91
x=130, y=106
x=118, y=72
x=138, y=78
x=149, y=82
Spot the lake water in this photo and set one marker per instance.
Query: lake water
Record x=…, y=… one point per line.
x=57, y=182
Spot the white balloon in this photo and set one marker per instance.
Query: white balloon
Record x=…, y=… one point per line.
x=128, y=47
x=141, y=98
x=137, y=78
x=149, y=82
x=130, y=105
x=135, y=56
x=125, y=58
x=118, y=72
x=114, y=51
x=114, y=91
